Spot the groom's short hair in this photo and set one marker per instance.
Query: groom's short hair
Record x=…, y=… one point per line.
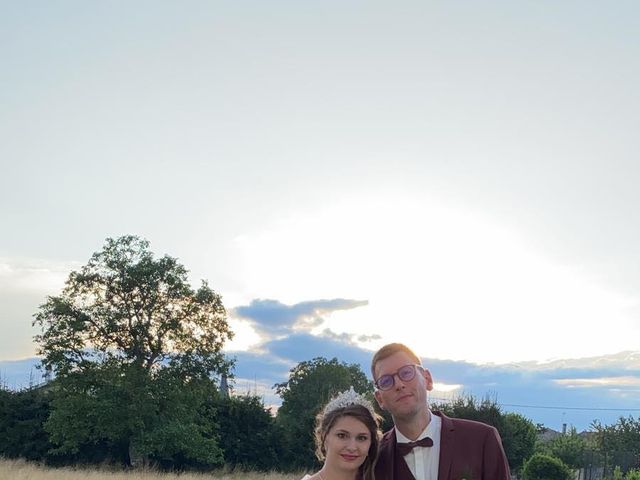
x=388, y=350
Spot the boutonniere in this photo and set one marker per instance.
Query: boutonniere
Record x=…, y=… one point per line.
x=467, y=475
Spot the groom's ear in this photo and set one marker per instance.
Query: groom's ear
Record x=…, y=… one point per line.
x=428, y=379
x=379, y=399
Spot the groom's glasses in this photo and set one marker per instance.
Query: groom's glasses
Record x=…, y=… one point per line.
x=406, y=374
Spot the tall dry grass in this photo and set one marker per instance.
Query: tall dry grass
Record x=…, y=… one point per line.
x=21, y=470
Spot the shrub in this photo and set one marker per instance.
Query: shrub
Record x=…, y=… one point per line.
x=545, y=467
x=633, y=474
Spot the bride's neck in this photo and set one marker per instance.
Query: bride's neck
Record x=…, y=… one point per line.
x=327, y=473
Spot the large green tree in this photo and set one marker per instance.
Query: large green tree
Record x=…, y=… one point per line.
x=518, y=438
x=310, y=385
x=135, y=351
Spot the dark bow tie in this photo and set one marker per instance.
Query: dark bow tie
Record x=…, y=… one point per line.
x=405, y=448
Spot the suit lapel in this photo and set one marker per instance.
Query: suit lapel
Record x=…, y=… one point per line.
x=384, y=469
x=402, y=470
x=390, y=465
x=447, y=441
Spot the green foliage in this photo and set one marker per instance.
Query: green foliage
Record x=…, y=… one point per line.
x=177, y=427
x=623, y=436
x=134, y=348
x=248, y=435
x=386, y=422
x=311, y=384
x=545, y=467
x=159, y=416
x=517, y=432
x=22, y=415
x=569, y=448
x=486, y=410
x=129, y=307
x=633, y=474
x=518, y=438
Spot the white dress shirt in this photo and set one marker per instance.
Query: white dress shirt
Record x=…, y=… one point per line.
x=423, y=461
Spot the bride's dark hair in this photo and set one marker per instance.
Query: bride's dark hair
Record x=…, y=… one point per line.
x=325, y=421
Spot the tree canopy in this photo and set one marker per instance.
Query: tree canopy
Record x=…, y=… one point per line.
x=519, y=439
x=126, y=306
x=135, y=351
x=310, y=385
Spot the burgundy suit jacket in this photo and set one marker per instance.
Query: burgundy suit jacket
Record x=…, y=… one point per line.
x=468, y=450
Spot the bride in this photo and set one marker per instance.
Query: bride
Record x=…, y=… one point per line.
x=347, y=436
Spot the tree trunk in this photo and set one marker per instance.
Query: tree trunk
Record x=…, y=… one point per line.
x=136, y=459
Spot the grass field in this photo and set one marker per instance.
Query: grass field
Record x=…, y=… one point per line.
x=20, y=470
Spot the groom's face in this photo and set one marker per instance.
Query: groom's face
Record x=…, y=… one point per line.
x=405, y=398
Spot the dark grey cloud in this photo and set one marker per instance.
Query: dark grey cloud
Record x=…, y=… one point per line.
x=299, y=347
x=272, y=318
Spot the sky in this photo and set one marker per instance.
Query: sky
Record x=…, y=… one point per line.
x=459, y=177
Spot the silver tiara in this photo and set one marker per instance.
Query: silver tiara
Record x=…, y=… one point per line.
x=346, y=398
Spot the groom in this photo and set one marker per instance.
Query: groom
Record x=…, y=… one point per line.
x=426, y=445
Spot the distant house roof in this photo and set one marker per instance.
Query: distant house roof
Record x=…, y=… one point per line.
x=548, y=434
x=587, y=435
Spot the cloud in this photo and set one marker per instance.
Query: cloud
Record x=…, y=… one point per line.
x=261, y=367
x=624, y=360
x=443, y=388
x=263, y=390
x=575, y=391
x=621, y=382
x=24, y=285
x=572, y=391
x=368, y=338
x=33, y=274
x=256, y=374
x=272, y=318
x=528, y=388
x=349, y=338
x=18, y=374
x=299, y=347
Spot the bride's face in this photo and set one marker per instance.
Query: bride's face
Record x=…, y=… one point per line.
x=347, y=443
